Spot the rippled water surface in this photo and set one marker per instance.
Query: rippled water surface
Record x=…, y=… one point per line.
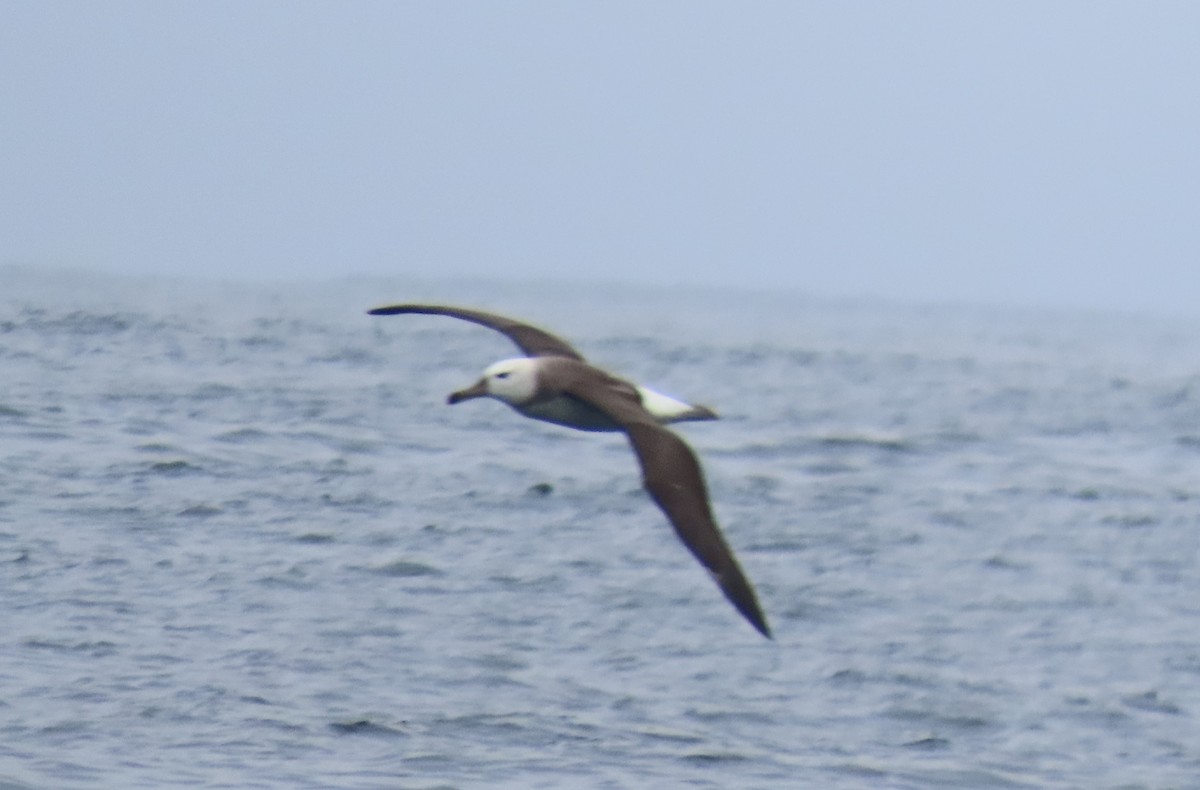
x=244, y=543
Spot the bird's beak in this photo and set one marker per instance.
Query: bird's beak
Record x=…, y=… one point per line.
x=476, y=390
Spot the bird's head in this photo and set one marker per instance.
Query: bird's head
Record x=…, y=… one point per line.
x=513, y=381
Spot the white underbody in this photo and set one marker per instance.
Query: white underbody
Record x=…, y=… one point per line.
x=565, y=410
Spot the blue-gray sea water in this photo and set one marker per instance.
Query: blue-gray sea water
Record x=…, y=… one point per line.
x=244, y=543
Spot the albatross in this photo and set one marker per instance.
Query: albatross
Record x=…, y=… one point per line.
x=554, y=383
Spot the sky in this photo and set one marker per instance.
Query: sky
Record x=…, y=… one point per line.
x=1027, y=153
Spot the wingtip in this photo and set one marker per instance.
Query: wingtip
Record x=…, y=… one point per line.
x=739, y=592
x=741, y=595
x=759, y=622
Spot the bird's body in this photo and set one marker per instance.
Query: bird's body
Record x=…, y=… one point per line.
x=555, y=384
x=537, y=387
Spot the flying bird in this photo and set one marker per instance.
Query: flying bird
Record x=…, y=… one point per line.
x=554, y=383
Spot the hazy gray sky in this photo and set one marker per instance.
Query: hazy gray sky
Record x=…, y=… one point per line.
x=1025, y=152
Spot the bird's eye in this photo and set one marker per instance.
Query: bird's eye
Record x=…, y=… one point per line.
x=503, y=375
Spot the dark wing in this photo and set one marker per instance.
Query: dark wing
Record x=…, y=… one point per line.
x=672, y=476
x=532, y=341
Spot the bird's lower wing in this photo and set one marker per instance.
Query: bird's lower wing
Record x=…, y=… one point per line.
x=672, y=476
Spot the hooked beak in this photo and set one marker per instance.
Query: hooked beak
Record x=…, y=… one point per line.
x=476, y=390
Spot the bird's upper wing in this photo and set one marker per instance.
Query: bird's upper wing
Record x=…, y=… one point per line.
x=672, y=476
x=532, y=341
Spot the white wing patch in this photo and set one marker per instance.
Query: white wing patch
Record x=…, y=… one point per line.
x=664, y=408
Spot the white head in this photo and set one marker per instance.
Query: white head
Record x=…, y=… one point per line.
x=513, y=381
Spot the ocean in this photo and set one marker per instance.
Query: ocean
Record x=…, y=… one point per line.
x=244, y=543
